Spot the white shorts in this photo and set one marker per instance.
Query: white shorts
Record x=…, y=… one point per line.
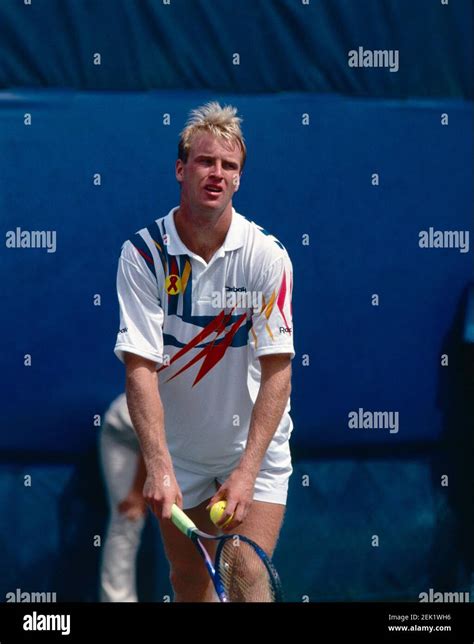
x=271, y=485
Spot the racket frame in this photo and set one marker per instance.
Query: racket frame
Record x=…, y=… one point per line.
x=189, y=528
x=271, y=570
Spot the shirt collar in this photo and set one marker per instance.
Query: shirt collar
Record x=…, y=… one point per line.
x=233, y=240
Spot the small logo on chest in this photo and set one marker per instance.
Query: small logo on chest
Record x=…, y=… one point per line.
x=236, y=289
x=173, y=285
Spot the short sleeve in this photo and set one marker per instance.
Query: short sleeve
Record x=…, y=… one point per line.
x=141, y=316
x=272, y=324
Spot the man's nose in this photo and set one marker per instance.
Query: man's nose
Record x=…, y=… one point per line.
x=217, y=168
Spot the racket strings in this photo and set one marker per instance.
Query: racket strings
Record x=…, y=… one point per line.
x=244, y=575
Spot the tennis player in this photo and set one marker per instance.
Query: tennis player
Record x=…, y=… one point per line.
x=206, y=336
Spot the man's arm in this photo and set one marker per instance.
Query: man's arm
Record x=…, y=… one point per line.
x=161, y=489
x=275, y=389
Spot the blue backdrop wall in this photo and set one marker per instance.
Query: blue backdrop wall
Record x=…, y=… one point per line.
x=311, y=185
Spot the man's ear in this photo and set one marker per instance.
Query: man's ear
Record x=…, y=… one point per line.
x=179, y=169
x=236, y=181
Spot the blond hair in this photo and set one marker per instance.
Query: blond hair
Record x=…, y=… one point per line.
x=218, y=121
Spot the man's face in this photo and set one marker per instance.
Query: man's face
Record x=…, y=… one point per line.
x=211, y=174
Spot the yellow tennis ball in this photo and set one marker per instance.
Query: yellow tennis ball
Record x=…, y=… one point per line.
x=217, y=510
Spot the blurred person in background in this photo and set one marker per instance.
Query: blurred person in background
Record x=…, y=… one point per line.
x=124, y=476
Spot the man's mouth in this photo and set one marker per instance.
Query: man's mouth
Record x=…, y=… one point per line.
x=214, y=189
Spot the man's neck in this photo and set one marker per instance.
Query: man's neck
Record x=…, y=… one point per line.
x=203, y=233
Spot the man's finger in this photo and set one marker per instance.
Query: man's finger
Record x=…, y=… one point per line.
x=218, y=496
x=166, y=514
x=230, y=509
x=239, y=515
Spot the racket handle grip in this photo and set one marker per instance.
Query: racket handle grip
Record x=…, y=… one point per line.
x=182, y=521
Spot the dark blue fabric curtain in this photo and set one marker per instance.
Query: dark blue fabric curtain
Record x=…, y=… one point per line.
x=245, y=46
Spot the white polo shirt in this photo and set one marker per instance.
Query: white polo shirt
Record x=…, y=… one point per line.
x=205, y=325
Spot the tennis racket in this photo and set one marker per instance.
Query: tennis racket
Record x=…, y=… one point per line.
x=241, y=572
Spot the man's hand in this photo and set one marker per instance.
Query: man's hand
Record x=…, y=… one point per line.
x=133, y=506
x=161, y=490
x=237, y=490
